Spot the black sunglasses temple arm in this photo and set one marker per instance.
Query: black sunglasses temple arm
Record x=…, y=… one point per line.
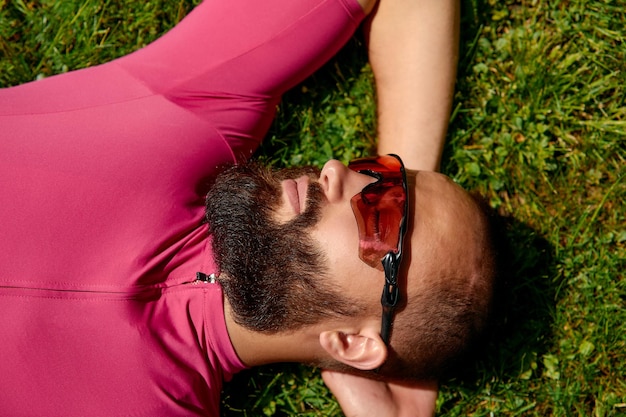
x=391, y=293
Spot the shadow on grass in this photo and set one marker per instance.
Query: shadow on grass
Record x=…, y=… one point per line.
x=277, y=390
x=474, y=15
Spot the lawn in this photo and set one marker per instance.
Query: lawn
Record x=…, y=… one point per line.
x=538, y=128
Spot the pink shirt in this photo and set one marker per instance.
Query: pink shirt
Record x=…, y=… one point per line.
x=103, y=174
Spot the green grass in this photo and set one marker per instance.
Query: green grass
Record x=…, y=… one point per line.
x=539, y=128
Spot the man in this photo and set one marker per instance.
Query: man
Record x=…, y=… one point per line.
x=318, y=264
x=111, y=294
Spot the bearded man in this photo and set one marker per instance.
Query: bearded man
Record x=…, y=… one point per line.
x=119, y=298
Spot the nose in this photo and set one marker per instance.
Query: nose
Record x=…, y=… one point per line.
x=332, y=179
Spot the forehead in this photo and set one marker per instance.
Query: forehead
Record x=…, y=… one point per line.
x=443, y=223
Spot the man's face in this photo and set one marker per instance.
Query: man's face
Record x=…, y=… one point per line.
x=335, y=231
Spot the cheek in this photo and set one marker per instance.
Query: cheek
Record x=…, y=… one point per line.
x=337, y=235
x=338, y=238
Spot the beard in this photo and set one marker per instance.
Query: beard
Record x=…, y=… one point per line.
x=273, y=274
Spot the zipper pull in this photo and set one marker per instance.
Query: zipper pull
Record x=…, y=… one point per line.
x=202, y=277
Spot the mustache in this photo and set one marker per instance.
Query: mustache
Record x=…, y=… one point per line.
x=312, y=212
x=250, y=192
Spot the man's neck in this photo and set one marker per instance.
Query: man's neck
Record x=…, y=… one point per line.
x=257, y=348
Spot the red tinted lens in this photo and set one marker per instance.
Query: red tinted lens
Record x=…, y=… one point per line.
x=379, y=208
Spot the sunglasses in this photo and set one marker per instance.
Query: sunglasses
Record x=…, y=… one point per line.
x=381, y=213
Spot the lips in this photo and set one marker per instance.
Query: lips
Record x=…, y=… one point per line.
x=296, y=192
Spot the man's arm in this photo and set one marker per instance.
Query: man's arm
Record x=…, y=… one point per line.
x=413, y=50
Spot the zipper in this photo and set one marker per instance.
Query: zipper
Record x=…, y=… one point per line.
x=201, y=277
x=137, y=292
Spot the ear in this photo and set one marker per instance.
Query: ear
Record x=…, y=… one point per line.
x=363, y=350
